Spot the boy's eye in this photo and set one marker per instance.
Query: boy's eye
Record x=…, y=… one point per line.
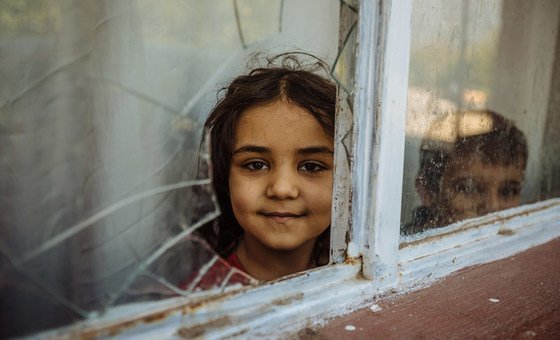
x=255, y=165
x=510, y=190
x=311, y=167
x=467, y=186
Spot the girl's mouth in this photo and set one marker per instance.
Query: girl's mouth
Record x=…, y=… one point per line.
x=280, y=216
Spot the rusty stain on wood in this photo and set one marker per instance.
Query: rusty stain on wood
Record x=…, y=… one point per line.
x=353, y=260
x=287, y=300
x=120, y=326
x=199, y=330
x=308, y=333
x=115, y=329
x=506, y=232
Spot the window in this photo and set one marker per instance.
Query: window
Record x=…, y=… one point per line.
x=383, y=68
x=102, y=112
x=480, y=83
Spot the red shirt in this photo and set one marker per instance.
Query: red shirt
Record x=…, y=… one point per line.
x=221, y=273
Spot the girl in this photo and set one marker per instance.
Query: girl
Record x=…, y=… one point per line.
x=272, y=155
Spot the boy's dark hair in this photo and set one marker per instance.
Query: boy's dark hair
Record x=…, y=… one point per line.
x=291, y=82
x=499, y=142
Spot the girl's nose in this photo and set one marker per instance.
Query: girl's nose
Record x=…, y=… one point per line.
x=282, y=185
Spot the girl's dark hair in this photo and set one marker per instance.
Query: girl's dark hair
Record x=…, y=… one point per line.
x=290, y=81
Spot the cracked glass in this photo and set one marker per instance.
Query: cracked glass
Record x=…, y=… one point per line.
x=342, y=72
x=104, y=178
x=482, y=109
x=257, y=19
x=343, y=68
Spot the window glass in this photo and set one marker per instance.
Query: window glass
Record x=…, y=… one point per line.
x=103, y=176
x=482, y=109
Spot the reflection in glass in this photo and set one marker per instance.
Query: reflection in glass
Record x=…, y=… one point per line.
x=470, y=58
x=471, y=163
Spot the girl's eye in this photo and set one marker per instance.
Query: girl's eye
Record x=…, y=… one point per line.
x=311, y=167
x=255, y=166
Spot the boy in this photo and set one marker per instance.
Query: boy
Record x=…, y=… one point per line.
x=471, y=164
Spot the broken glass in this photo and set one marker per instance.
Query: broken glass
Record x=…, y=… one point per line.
x=343, y=67
x=258, y=19
x=104, y=179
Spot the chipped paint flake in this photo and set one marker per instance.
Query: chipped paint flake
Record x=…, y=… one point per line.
x=375, y=308
x=530, y=334
x=353, y=250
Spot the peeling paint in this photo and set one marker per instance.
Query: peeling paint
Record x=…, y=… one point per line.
x=352, y=250
x=307, y=333
x=350, y=328
x=498, y=218
x=200, y=329
x=287, y=300
x=353, y=260
x=120, y=325
x=505, y=232
x=375, y=308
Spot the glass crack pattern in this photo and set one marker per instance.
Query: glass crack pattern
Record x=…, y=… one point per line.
x=104, y=179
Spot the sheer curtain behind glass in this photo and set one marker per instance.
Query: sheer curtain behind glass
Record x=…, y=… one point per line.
x=482, y=79
x=103, y=174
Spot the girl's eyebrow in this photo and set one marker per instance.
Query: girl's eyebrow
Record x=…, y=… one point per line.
x=251, y=148
x=315, y=150
x=303, y=151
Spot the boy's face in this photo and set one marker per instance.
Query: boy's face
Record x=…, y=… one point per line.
x=471, y=187
x=281, y=176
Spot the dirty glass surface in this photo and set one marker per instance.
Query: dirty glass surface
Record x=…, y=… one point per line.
x=104, y=179
x=342, y=71
x=343, y=67
x=482, y=109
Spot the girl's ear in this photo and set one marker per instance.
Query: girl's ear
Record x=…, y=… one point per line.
x=425, y=195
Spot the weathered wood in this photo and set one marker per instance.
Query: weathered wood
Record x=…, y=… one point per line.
x=527, y=287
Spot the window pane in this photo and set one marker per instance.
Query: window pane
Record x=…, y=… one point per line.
x=104, y=179
x=482, y=109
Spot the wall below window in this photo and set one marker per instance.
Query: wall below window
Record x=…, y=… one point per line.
x=516, y=297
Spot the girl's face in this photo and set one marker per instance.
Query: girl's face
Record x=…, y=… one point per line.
x=281, y=176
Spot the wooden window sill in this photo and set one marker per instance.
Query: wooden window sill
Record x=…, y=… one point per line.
x=516, y=297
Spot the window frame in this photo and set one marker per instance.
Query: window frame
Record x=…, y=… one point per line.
x=376, y=259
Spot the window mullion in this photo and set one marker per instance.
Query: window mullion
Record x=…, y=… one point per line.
x=380, y=113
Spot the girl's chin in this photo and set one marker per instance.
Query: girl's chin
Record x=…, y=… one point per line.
x=288, y=245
